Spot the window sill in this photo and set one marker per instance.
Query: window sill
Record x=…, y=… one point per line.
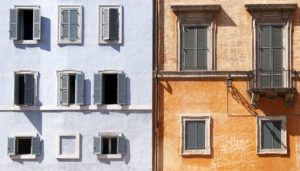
x=78, y=42
x=109, y=156
x=196, y=152
x=26, y=42
x=23, y=157
x=272, y=151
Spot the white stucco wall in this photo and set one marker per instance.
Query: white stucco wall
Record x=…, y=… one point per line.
x=133, y=57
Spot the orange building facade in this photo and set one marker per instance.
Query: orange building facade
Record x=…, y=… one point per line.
x=225, y=85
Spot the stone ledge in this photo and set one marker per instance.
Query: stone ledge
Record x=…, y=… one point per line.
x=195, y=8
x=270, y=7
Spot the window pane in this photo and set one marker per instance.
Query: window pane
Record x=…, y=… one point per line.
x=105, y=146
x=265, y=36
x=113, y=146
x=195, y=135
x=23, y=145
x=271, y=135
x=189, y=59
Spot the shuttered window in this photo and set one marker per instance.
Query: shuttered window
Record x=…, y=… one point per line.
x=271, y=134
x=195, y=135
x=106, y=144
x=270, y=66
x=24, y=89
x=194, y=48
x=24, y=145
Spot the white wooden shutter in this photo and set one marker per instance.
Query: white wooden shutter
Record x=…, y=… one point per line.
x=64, y=89
x=64, y=31
x=105, y=24
x=73, y=24
x=11, y=146
x=36, y=24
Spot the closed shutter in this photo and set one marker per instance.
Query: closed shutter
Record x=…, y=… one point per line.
x=13, y=24
x=97, y=145
x=17, y=84
x=73, y=24
x=277, y=45
x=36, y=145
x=79, y=89
x=271, y=134
x=113, y=24
x=201, y=135
x=11, y=146
x=189, y=51
x=98, y=89
x=36, y=24
x=105, y=24
x=202, y=48
x=121, y=145
x=64, y=89
x=65, y=24
x=265, y=69
x=195, y=135
x=29, y=89
x=276, y=134
x=121, y=89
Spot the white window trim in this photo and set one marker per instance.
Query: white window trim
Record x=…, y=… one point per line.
x=283, y=149
x=76, y=155
x=58, y=73
x=24, y=156
x=110, y=135
x=36, y=77
x=207, y=150
x=120, y=40
x=26, y=42
x=80, y=30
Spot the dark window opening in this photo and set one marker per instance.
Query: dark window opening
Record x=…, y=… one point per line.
x=110, y=88
x=113, y=146
x=72, y=88
x=26, y=24
x=23, y=145
x=21, y=89
x=109, y=145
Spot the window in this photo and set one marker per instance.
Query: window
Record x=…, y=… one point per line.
x=109, y=145
x=110, y=24
x=68, y=146
x=109, y=88
x=272, y=135
x=196, y=135
x=70, y=25
x=25, y=24
x=71, y=88
x=24, y=147
x=25, y=88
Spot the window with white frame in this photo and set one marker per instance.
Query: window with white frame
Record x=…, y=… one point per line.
x=110, y=145
x=196, y=135
x=68, y=145
x=25, y=24
x=110, y=24
x=109, y=88
x=272, y=135
x=71, y=88
x=25, y=88
x=70, y=24
x=24, y=147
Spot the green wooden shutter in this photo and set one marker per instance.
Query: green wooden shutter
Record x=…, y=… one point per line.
x=11, y=146
x=98, y=89
x=79, y=87
x=202, y=48
x=97, y=145
x=29, y=89
x=65, y=24
x=113, y=24
x=105, y=24
x=73, y=24
x=121, y=145
x=36, y=24
x=121, y=89
x=17, y=84
x=189, y=50
x=64, y=89
x=265, y=69
x=36, y=145
x=277, y=46
x=13, y=24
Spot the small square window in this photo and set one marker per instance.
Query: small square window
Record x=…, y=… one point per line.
x=272, y=135
x=25, y=88
x=68, y=146
x=196, y=135
x=23, y=145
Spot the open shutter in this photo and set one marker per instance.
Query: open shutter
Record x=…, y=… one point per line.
x=113, y=24
x=16, y=100
x=97, y=145
x=80, y=89
x=13, y=24
x=98, y=89
x=11, y=146
x=36, y=145
x=121, y=89
x=29, y=89
x=105, y=24
x=202, y=48
x=36, y=24
x=65, y=24
x=189, y=48
x=64, y=89
x=73, y=24
x=121, y=145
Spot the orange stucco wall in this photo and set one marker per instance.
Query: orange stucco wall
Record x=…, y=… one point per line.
x=234, y=124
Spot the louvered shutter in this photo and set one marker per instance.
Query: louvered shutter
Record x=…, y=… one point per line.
x=276, y=134
x=98, y=89
x=202, y=48
x=29, y=89
x=265, y=70
x=266, y=135
x=65, y=24
x=201, y=135
x=11, y=146
x=121, y=145
x=13, y=24
x=79, y=89
x=121, y=89
x=97, y=145
x=191, y=135
x=36, y=145
x=277, y=45
x=64, y=89
x=105, y=24
x=189, y=49
x=17, y=84
x=113, y=24
x=73, y=24
x=36, y=24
